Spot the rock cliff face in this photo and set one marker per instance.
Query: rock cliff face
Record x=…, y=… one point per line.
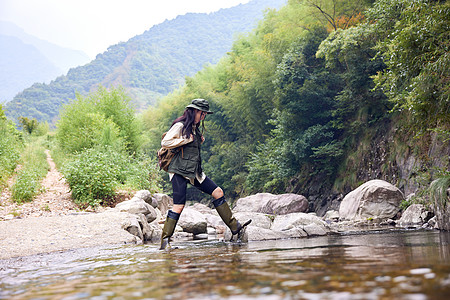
x=388, y=153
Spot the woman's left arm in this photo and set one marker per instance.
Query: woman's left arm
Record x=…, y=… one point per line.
x=174, y=137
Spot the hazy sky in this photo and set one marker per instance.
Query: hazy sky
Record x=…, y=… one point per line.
x=94, y=25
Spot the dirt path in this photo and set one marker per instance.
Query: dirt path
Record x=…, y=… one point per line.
x=52, y=222
x=54, y=201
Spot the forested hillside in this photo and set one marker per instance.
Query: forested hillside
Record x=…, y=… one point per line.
x=323, y=96
x=148, y=66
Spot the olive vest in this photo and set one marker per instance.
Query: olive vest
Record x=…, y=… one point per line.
x=187, y=161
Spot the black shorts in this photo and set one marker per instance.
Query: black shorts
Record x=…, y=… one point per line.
x=179, y=186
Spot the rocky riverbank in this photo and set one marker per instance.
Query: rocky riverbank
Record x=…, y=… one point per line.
x=374, y=205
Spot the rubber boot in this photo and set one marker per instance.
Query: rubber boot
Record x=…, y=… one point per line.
x=168, y=229
x=227, y=217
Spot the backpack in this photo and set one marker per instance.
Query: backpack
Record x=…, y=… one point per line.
x=165, y=156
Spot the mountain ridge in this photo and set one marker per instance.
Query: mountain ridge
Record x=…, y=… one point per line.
x=26, y=59
x=62, y=57
x=157, y=61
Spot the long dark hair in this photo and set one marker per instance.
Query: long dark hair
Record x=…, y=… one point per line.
x=188, y=119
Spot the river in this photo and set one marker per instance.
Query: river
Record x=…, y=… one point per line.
x=396, y=264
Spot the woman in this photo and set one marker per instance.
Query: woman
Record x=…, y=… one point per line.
x=186, y=167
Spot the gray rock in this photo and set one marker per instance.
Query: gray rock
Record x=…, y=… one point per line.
x=201, y=236
x=153, y=215
x=253, y=233
x=258, y=219
x=292, y=233
x=164, y=203
x=137, y=225
x=374, y=199
x=414, y=215
x=211, y=231
x=432, y=222
x=286, y=204
x=331, y=215
x=192, y=221
x=156, y=231
x=159, y=217
x=253, y=203
x=272, y=204
x=144, y=195
x=300, y=224
x=202, y=208
x=147, y=231
x=132, y=225
x=137, y=206
x=315, y=229
x=214, y=221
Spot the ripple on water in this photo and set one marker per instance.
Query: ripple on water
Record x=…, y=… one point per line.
x=383, y=265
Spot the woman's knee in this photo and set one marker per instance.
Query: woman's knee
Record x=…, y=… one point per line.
x=178, y=208
x=217, y=193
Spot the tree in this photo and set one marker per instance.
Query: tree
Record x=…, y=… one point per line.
x=413, y=42
x=103, y=117
x=349, y=53
x=28, y=125
x=339, y=13
x=302, y=137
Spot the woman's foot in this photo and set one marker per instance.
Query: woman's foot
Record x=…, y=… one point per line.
x=240, y=232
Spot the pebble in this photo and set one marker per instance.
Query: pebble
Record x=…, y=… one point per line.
x=420, y=271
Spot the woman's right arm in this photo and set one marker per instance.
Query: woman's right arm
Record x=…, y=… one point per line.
x=174, y=137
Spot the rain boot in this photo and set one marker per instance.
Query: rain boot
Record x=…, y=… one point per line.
x=168, y=229
x=227, y=217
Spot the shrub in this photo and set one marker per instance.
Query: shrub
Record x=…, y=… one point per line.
x=102, y=118
x=95, y=174
x=9, y=157
x=85, y=130
x=10, y=148
x=92, y=176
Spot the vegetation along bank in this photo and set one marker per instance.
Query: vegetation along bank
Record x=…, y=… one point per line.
x=321, y=97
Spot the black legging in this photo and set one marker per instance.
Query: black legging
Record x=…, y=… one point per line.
x=179, y=186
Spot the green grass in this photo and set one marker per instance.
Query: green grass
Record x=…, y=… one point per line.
x=34, y=168
x=438, y=191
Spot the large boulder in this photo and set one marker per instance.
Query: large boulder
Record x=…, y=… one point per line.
x=375, y=199
x=272, y=204
x=192, y=221
x=253, y=203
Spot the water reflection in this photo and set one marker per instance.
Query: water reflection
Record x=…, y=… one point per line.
x=380, y=265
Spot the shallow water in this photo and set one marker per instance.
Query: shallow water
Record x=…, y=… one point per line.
x=375, y=265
